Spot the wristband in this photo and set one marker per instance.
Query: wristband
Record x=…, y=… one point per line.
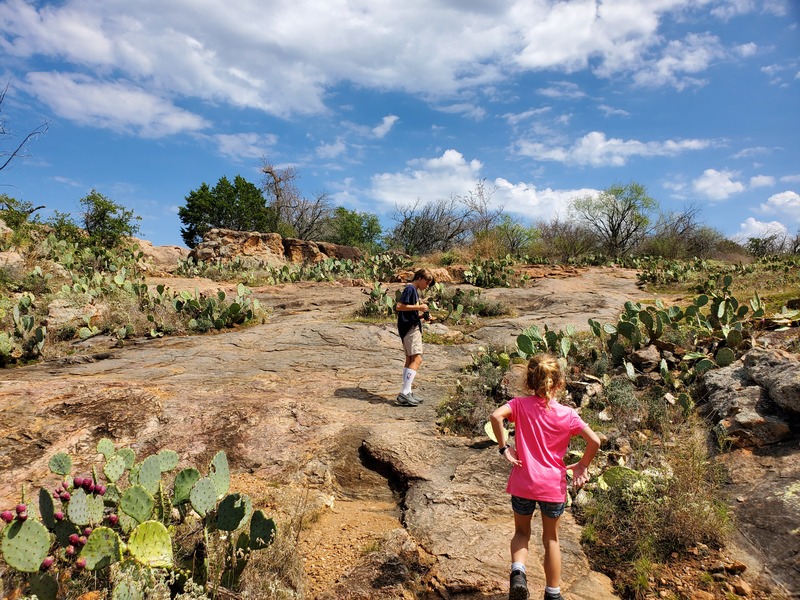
x=503, y=449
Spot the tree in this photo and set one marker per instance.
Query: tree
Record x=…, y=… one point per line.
x=438, y=225
x=351, y=228
x=6, y=156
x=15, y=213
x=565, y=239
x=295, y=215
x=239, y=205
x=105, y=221
x=620, y=216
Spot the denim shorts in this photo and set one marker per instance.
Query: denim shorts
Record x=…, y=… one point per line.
x=523, y=506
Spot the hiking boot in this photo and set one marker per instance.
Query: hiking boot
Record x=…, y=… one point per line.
x=553, y=597
x=407, y=400
x=518, y=590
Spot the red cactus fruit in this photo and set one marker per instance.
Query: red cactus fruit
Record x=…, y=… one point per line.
x=87, y=532
x=77, y=482
x=113, y=519
x=7, y=516
x=65, y=496
x=23, y=516
x=70, y=550
x=58, y=516
x=100, y=490
x=81, y=563
x=73, y=539
x=82, y=540
x=47, y=563
x=21, y=508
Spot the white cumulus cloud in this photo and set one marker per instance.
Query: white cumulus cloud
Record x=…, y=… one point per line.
x=597, y=150
x=784, y=203
x=717, y=185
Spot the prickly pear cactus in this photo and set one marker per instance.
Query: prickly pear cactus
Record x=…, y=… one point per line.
x=46, y=508
x=127, y=590
x=151, y=545
x=60, y=464
x=262, y=531
x=168, y=460
x=150, y=473
x=137, y=503
x=78, y=508
x=43, y=586
x=203, y=496
x=220, y=474
x=184, y=481
x=25, y=545
x=112, y=495
x=106, y=448
x=102, y=549
x=128, y=455
x=233, y=512
x=114, y=467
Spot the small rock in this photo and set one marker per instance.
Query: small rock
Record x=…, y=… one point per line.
x=702, y=595
x=736, y=567
x=742, y=588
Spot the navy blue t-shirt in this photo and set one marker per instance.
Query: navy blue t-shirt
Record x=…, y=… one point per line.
x=408, y=319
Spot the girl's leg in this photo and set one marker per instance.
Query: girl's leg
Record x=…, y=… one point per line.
x=552, y=551
x=522, y=535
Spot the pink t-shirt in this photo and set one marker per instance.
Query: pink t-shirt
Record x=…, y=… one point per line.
x=541, y=438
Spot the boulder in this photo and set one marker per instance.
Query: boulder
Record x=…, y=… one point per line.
x=226, y=244
x=742, y=408
x=647, y=359
x=301, y=251
x=5, y=233
x=340, y=252
x=11, y=259
x=160, y=259
x=779, y=372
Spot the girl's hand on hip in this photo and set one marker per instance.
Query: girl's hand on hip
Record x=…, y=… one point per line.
x=512, y=457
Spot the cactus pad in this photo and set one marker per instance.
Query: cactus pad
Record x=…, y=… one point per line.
x=138, y=503
x=114, y=468
x=150, y=473
x=43, y=586
x=106, y=448
x=78, y=508
x=234, y=511
x=220, y=474
x=128, y=455
x=725, y=357
x=60, y=464
x=127, y=590
x=46, y=508
x=62, y=531
x=203, y=496
x=151, y=545
x=102, y=549
x=184, y=481
x=25, y=545
x=262, y=531
x=168, y=459
x=95, y=504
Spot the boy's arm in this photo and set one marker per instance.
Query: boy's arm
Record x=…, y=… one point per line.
x=401, y=306
x=580, y=469
x=503, y=412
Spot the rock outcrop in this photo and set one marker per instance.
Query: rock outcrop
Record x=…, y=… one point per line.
x=269, y=248
x=756, y=400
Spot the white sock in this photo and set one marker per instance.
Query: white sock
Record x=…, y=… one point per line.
x=408, y=378
x=518, y=566
x=552, y=591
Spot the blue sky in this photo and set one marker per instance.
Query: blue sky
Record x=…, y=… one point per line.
x=382, y=103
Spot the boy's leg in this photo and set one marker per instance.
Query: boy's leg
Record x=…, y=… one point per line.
x=552, y=551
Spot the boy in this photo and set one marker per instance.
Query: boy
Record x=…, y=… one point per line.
x=409, y=326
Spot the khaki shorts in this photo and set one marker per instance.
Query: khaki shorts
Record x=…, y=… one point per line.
x=412, y=343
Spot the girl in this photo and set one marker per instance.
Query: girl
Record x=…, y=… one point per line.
x=543, y=428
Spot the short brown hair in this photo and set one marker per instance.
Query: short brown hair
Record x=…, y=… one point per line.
x=423, y=274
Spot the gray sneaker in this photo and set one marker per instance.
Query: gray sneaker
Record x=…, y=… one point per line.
x=407, y=400
x=416, y=398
